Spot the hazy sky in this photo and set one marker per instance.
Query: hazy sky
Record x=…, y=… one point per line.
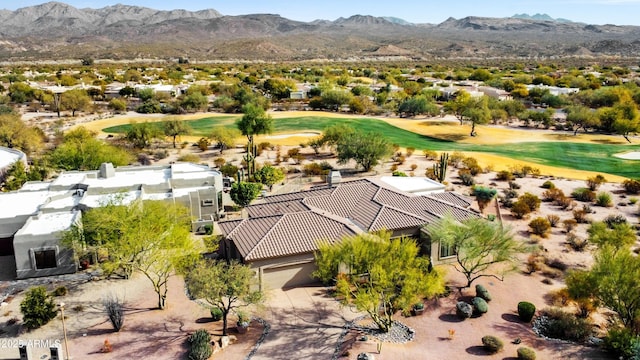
x=619, y=12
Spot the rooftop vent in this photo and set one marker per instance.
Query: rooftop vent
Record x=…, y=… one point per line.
x=334, y=178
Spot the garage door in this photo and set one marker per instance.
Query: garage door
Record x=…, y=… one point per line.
x=288, y=276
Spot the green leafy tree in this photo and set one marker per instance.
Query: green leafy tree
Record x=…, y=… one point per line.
x=152, y=237
x=628, y=120
x=458, y=105
x=80, y=150
x=225, y=286
x=243, y=193
x=37, y=308
x=195, y=102
x=334, y=99
x=75, y=100
x=477, y=112
x=417, y=106
x=145, y=94
x=141, y=134
x=483, y=248
x=581, y=117
x=618, y=235
x=612, y=282
x=15, y=177
x=269, y=175
x=255, y=121
x=378, y=275
x=15, y=134
x=118, y=105
x=224, y=137
x=175, y=128
x=366, y=149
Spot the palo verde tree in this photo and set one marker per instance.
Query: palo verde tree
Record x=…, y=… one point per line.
x=377, y=274
x=151, y=237
x=366, y=149
x=255, y=121
x=175, y=128
x=224, y=137
x=15, y=134
x=80, y=150
x=483, y=248
x=225, y=286
x=269, y=175
x=141, y=134
x=75, y=100
x=612, y=282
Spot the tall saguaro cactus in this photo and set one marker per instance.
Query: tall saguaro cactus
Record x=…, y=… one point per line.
x=440, y=168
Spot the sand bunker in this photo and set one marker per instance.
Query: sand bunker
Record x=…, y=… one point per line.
x=631, y=155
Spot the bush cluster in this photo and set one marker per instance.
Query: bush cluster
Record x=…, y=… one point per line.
x=483, y=293
x=492, y=344
x=631, y=186
x=584, y=194
x=525, y=353
x=558, y=324
x=37, y=308
x=526, y=311
x=200, y=345
x=540, y=226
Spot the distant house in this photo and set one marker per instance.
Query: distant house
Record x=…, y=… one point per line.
x=30, y=228
x=280, y=235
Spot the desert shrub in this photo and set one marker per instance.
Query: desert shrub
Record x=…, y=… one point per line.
x=612, y=220
x=504, y=175
x=576, y=243
x=216, y=313
x=631, y=186
x=526, y=310
x=229, y=170
x=466, y=177
x=548, y=185
x=492, y=344
x=60, y=291
x=203, y=144
x=525, y=353
x=583, y=194
x=559, y=297
x=553, y=219
x=514, y=185
x=471, y=164
x=483, y=293
x=393, y=167
x=200, y=345
x=37, y=308
x=552, y=194
x=413, y=167
x=540, y=226
x=510, y=193
x=144, y=159
x=399, y=174
x=524, y=170
x=556, y=263
x=161, y=154
x=192, y=158
x=520, y=209
x=565, y=203
x=532, y=201
x=558, y=324
x=633, y=201
x=114, y=307
x=593, y=183
x=551, y=273
x=604, y=199
x=480, y=306
x=622, y=343
x=580, y=215
x=316, y=169
x=410, y=151
x=464, y=310
x=534, y=262
x=455, y=158
x=217, y=162
x=430, y=154
x=569, y=225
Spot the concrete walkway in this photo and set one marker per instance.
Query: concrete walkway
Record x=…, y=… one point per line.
x=305, y=324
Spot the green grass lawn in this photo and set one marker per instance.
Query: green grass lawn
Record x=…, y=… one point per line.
x=580, y=156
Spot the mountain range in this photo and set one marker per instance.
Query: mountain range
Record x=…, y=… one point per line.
x=56, y=30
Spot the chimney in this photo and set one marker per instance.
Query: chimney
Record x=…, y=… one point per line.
x=106, y=171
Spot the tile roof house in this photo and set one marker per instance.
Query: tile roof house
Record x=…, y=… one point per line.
x=281, y=233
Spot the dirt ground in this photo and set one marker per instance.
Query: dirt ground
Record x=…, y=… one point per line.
x=161, y=334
